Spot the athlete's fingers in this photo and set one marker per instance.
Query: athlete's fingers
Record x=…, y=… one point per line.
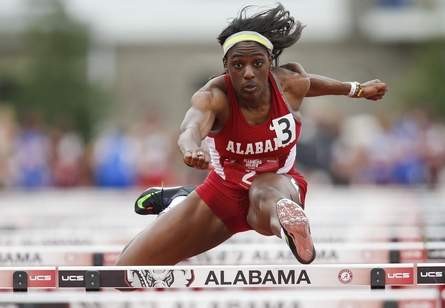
x=375, y=98
x=197, y=157
x=374, y=95
x=188, y=158
x=202, y=159
x=204, y=163
x=373, y=88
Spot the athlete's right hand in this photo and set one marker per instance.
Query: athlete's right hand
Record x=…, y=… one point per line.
x=198, y=159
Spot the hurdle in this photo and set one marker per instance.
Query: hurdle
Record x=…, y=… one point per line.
x=121, y=235
x=231, y=254
x=318, y=219
x=93, y=278
x=234, y=298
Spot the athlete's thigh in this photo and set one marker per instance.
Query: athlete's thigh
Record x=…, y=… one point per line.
x=264, y=192
x=186, y=230
x=271, y=186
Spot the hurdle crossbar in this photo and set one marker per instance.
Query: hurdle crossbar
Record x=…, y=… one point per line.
x=250, y=276
x=425, y=297
x=231, y=254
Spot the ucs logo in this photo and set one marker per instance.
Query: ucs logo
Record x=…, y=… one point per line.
x=71, y=278
x=431, y=274
x=40, y=278
x=399, y=275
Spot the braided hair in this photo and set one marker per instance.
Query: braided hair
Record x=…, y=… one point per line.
x=276, y=24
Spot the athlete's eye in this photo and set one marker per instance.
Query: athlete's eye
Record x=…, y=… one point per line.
x=259, y=63
x=237, y=65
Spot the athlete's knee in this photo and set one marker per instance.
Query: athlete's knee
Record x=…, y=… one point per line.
x=261, y=209
x=258, y=224
x=260, y=194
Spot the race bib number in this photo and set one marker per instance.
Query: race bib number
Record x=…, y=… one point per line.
x=284, y=128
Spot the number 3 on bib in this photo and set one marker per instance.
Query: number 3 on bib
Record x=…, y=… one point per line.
x=284, y=128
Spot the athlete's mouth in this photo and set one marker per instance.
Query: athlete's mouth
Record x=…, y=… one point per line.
x=250, y=87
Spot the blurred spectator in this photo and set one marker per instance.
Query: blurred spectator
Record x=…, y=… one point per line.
x=406, y=4
x=67, y=158
x=351, y=149
x=381, y=149
x=7, y=127
x=435, y=154
x=320, y=131
x=114, y=159
x=394, y=3
x=155, y=148
x=409, y=166
x=31, y=160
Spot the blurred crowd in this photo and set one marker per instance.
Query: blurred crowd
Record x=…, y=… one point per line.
x=33, y=155
x=407, y=149
x=334, y=148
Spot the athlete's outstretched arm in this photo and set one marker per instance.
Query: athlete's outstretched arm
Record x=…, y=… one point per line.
x=197, y=123
x=321, y=85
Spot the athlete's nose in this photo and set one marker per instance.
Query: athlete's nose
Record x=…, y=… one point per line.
x=248, y=72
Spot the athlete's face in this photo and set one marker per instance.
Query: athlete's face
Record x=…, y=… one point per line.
x=248, y=65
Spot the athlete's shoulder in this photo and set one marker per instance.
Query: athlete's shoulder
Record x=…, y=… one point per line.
x=213, y=93
x=293, y=78
x=293, y=68
x=290, y=71
x=216, y=85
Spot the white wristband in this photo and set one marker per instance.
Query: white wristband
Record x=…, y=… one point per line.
x=354, y=87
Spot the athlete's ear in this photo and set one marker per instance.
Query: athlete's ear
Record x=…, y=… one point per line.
x=225, y=63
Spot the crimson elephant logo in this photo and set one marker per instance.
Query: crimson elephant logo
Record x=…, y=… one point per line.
x=159, y=278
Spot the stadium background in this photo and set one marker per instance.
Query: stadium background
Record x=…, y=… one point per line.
x=92, y=94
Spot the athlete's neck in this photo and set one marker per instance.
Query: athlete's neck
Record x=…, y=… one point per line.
x=256, y=112
x=263, y=101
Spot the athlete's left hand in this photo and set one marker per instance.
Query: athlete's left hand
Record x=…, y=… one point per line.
x=373, y=90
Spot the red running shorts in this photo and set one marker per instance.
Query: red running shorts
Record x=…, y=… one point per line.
x=231, y=202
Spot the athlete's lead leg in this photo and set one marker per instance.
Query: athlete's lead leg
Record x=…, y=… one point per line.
x=276, y=209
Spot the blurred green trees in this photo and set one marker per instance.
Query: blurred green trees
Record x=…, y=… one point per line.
x=54, y=83
x=424, y=85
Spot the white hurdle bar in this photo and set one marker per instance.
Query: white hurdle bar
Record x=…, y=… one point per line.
x=231, y=254
x=304, y=298
x=374, y=276
x=95, y=236
x=320, y=220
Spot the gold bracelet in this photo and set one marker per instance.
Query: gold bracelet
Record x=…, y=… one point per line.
x=360, y=91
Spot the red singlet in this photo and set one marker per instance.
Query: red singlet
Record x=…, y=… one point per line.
x=240, y=151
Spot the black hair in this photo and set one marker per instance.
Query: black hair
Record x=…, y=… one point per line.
x=276, y=24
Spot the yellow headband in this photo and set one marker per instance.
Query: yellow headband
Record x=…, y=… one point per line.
x=246, y=36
